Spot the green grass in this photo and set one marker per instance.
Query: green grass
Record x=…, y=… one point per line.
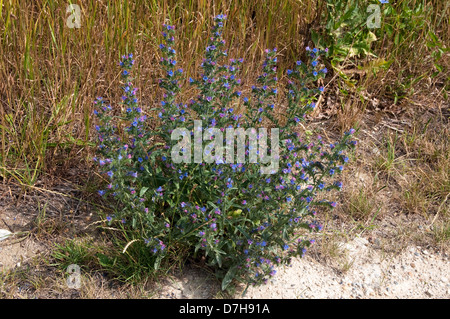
x=80, y=252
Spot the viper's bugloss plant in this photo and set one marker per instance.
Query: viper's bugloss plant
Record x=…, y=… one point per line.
x=244, y=222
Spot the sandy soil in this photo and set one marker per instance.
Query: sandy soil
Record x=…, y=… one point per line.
x=416, y=273
x=369, y=272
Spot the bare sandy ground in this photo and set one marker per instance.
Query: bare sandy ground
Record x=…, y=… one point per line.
x=415, y=274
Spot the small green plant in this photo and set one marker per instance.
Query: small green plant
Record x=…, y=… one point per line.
x=242, y=221
x=361, y=205
x=345, y=31
x=70, y=252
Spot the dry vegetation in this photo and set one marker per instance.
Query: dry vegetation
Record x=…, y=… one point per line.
x=396, y=190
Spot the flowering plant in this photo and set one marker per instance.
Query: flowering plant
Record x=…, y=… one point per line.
x=244, y=222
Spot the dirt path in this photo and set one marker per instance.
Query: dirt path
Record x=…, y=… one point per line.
x=369, y=273
x=416, y=273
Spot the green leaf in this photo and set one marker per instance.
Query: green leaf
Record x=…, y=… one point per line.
x=243, y=231
x=104, y=260
x=315, y=38
x=229, y=277
x=143, y=190
x=219, y=260
x=157, y=262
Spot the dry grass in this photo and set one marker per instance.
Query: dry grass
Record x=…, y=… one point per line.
x=52, y=73
x=397, y=187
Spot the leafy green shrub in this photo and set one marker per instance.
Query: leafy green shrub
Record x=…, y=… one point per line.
x=345, y=32
x=244, y=222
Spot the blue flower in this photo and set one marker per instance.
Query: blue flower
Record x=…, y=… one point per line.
x=220, y=17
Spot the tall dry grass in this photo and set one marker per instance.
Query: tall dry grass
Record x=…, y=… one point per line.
x=52, y=73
